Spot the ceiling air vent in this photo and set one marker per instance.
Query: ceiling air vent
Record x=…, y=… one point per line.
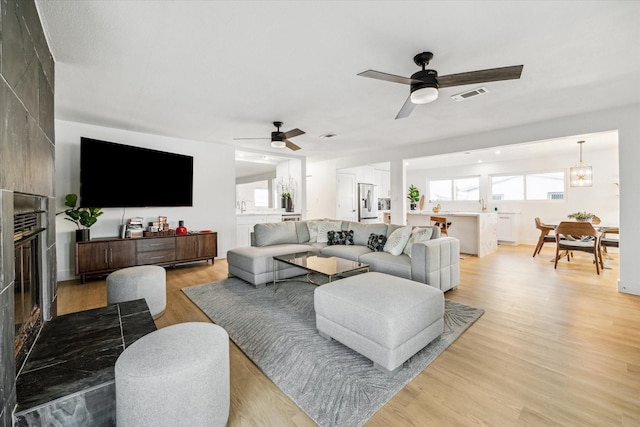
x=470, y=94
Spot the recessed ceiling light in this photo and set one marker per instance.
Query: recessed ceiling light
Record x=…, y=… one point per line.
x=479, y=161
x=329, y=135
x=497, y=151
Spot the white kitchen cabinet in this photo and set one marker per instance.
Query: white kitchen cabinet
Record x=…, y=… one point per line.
x=382, y=180
x=508, y=227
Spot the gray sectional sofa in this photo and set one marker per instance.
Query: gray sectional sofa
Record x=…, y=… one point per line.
x=426, y=257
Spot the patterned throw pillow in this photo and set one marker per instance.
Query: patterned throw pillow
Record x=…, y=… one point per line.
x=324, y=227
x=398, y=240
x=376, y=242
x=417, y=235
x=340, y=237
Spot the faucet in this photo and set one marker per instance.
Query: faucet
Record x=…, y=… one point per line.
x=243, y=206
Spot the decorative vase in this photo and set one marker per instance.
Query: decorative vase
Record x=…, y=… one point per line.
x=83, y=235
x=413, y=206
x=181, y=228
x=289, y=203
x=436, y=208
x=283, y=202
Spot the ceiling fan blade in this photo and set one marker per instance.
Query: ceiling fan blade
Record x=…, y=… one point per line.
x=388, y=77
x=481, y=76
x=292, y=133
x=291, y=145
x=236, y=139
x=406, y=109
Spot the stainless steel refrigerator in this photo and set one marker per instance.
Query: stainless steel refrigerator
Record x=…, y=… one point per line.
x=367, y=203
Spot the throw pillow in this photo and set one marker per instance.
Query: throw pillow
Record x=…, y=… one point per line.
x=398, y=240
x=340, y=237
x=417, y=235
x=313, y=231
x=326, y=226
x=376, y=242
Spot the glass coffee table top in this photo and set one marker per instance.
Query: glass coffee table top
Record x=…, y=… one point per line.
x=314, y=262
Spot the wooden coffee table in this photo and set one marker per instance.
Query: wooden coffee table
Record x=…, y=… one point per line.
x=314, y=262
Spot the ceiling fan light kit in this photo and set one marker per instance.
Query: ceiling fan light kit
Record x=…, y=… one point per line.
x=424, y=84
x=281, y=139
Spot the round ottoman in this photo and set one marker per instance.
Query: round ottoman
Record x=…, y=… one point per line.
x=175, y=376
x=145, y=281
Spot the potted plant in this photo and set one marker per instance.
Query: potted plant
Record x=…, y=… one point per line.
x=581, y=216
x=413, y=196
x=83, y=218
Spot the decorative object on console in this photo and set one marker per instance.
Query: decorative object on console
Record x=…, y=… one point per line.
x=581, y=174
x=413, y=196
x=135, y=228
x=181, y=228
x=436, y=208
x=82, y=217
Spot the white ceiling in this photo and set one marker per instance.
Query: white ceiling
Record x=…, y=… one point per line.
x=218, y=70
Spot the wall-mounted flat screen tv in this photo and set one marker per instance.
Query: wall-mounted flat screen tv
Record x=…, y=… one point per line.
x=119, y=176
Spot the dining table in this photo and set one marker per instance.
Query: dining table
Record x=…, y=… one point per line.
x=601, y=228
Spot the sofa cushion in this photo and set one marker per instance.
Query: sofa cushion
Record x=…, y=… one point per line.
x=275, y=233
x=361, y=232
x=376, y=242
x=398, y=240
x=340, y=237
x=384, y=262
x=351, y=252
x=417, y=235
x=303, y=231
x=324, y=227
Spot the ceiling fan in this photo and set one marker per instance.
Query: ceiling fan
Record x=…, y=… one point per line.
x=425, y=83
x=281, y=139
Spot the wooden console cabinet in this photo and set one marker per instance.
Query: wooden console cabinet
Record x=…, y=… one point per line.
x=102, y=256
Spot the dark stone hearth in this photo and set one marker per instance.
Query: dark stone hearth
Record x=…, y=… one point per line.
x=71, y=365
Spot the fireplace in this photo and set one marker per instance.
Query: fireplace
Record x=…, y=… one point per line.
x=28, y=284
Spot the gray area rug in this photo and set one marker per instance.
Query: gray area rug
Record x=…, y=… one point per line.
x=331, y=383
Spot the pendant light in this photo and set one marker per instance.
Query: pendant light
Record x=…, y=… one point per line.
x=581, y=174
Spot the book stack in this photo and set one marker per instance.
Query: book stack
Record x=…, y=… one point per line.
x=135, y=227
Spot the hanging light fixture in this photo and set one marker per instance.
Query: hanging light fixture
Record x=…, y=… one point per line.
x=581, y=174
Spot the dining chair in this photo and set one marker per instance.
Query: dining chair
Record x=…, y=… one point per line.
x=609, y=242
x=440, y=221
x=587, y=239
x=545, y=237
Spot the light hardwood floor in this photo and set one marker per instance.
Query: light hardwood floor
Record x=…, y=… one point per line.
x=554, y=347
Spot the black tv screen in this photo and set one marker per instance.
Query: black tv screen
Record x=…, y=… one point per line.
x=119, y=176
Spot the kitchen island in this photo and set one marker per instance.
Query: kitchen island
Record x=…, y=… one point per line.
x=477, y=231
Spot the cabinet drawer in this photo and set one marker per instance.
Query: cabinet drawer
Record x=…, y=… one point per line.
x=156, y=257
x=163, y=244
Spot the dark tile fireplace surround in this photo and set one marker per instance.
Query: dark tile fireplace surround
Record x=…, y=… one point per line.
x=27, y=167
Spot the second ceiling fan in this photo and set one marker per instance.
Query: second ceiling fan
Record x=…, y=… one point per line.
x=425, y=83
x=281, y=139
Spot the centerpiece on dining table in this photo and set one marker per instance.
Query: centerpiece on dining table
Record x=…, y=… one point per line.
x=582, y=216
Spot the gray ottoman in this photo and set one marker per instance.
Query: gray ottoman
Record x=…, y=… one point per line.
x=175, y=376
x=145, y=281
x=385, y=318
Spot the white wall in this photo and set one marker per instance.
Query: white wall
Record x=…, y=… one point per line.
x=624, y=120
x=600, y=199
x=213, y=189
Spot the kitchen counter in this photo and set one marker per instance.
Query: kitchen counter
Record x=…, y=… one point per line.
x=477, y=231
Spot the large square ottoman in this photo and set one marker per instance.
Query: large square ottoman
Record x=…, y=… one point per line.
x=385, y=318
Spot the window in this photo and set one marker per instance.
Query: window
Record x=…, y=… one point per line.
x=455, y=189
x=534, y=186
